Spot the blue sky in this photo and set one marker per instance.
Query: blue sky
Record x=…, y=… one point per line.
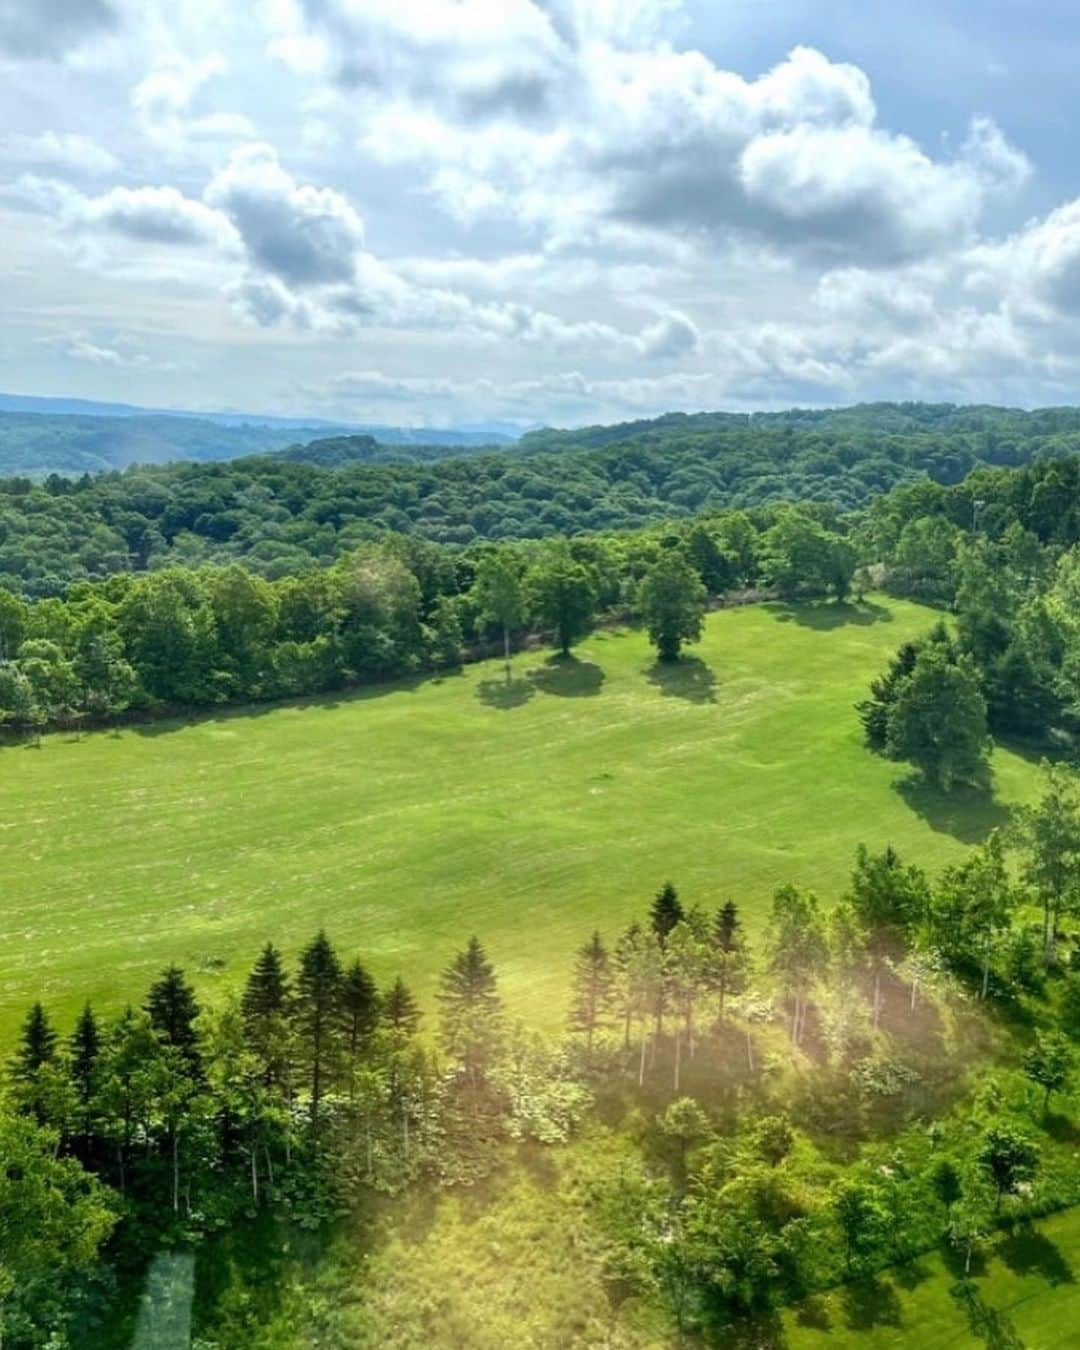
x=435, y=211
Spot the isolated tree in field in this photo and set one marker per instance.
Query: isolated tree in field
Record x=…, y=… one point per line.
x=797, y=949
x=1008, y=1158
x=593, y=990
x=938, y=721
x=318, y=1018
x=1049, y=1063
x=672, y=602
x=1049, y=834
x=471, y=1023
x=498, y=593
x=889, y=901
x=172, y=1009
x=562, y=596
x=37, y=1045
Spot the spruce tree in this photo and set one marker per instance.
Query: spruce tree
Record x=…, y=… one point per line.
x=318, y=992
x=592, y=991
x=84, y=1050
x=266, y=993
x=398, y=1012
x=37, y=1045
x=470, y=1012
x=359, y=1009
x=727, y=966
x=666, y=912
x=172, y=1008
x=265, y=1007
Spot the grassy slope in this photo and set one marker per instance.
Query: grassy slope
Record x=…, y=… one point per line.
x=408, y=816
x=1025, y=1293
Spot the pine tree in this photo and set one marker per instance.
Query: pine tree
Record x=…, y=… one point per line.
x=266, y=993
x=37, y=1045
x=666, y=912
x=593, y=988
x=470, y=1012
x=359, y=1009
x=727, y=967
x=398, y=1012
x=172, y=1008
x=265, y=1007
x=318, y=1017
x=84, y=1050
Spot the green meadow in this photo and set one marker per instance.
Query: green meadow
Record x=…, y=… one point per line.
x=406, y=817
x=1022, y=1292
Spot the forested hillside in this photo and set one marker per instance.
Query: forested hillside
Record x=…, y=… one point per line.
x=37, y=444
x=278, y=515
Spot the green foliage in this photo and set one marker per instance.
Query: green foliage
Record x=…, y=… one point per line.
x=938, y=721
x=562, y=597
x=672, y=602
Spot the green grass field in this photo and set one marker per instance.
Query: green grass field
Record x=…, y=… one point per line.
x=408, y=816
x=1022, y=1293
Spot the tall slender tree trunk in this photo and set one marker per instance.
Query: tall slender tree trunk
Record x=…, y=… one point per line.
x=176, y=1169
x=877, y=996
x=678, y=1059
x=641, y=1062
x=749, y=1049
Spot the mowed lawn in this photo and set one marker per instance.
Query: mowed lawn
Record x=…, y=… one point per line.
x=1023, y=1292
x=405, y=818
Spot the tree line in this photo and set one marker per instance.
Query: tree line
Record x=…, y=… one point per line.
x=165, y=1122
x=280, y=515
x=194, y=638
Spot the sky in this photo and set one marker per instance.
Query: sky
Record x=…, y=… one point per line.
x=478, y=212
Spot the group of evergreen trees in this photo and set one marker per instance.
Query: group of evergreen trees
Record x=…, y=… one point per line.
x=312, y=1084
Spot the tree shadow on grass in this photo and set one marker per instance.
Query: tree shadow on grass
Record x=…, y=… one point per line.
x=689, y=678
x=966, y=813
x=870, y=1303
x=1029, y=1252
x=824, y=615
x=567, y=677
x=993, y=1328
x=505, y=693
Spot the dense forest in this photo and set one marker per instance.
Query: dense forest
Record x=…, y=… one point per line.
x=88, y=439
x=280, y=516
x=854, y=1119
x=999, y=548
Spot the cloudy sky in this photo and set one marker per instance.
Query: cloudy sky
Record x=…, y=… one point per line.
x=471, y=211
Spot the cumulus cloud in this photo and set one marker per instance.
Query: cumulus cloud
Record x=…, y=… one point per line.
x=663, y=139
x=302, y=234
x=50, y=28
x=149, y=215
x=77, y=154
x=163, y=103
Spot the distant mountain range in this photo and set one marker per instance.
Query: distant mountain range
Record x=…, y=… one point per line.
x=39, y=436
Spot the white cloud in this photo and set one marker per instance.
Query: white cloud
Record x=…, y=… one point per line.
x=60, y=150
x=163, y=103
